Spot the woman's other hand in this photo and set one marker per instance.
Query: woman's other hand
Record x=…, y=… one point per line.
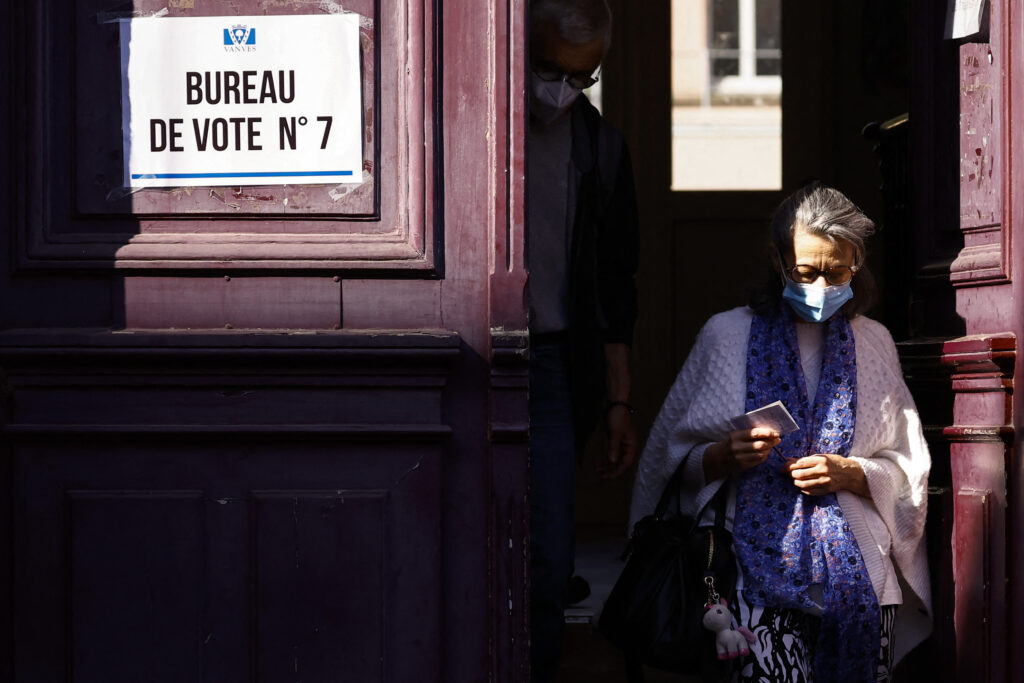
x=819, y=474
x=741, y=450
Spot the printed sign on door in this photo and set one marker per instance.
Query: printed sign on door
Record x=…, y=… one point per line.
x=241, y=100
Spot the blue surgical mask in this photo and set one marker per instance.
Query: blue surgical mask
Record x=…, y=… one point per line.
x=816, y=304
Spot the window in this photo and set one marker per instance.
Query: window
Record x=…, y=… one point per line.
x=726, y=95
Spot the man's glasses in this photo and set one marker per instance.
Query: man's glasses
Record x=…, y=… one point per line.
x=580, y=81
x=836, y=275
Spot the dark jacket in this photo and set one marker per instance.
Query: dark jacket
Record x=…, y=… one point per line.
x=603, y=260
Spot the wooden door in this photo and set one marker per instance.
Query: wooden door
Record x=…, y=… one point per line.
x=844, y=66
x=700, y=249
x=266, y=432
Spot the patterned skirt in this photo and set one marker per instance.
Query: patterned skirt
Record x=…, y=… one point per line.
x=784, y=650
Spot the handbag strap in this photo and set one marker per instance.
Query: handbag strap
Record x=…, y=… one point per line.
x=720, y=500
x=671, y=491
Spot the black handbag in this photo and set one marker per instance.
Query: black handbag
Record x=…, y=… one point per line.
x=673, y=569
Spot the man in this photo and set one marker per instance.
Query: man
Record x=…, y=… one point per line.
x=581, y=250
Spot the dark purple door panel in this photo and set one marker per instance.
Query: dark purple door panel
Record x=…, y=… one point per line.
x=134, y=567
x=174, y=562
x=266, y=433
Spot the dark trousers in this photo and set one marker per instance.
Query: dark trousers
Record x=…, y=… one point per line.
x=552, y=501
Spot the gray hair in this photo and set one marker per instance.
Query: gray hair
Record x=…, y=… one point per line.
x=825, y=212
x=577, y=21
x=822, y=211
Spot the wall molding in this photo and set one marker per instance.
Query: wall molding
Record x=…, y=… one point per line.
x=66, y=151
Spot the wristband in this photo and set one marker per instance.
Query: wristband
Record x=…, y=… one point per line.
x=611, y=404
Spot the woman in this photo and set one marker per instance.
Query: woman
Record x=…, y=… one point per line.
x=827, y=521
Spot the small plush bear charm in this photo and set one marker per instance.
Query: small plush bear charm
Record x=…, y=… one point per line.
x=730, y=642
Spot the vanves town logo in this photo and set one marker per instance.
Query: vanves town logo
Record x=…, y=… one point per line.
x=239, y=38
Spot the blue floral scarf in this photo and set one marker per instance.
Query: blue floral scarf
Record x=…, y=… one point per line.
x=785, y=540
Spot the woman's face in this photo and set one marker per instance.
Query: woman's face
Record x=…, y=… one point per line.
x=819, y=253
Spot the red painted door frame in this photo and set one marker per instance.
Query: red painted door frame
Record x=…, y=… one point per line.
x=988, y=415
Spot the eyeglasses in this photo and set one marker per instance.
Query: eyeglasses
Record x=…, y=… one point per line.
x=579, y=80
x=836, y=275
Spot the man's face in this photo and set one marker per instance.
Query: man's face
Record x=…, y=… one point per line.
x=550, y=52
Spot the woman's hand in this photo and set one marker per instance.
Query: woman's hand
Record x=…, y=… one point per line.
x=819, y=474
x=741, y=450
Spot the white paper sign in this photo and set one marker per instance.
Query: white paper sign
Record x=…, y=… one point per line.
x=241, y=100
x=963, y=18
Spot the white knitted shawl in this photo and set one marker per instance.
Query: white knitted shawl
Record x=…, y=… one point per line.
x=888, y=443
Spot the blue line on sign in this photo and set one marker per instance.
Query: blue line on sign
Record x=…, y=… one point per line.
x=266, y=174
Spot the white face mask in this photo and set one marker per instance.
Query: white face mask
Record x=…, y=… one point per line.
x=551, y=99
